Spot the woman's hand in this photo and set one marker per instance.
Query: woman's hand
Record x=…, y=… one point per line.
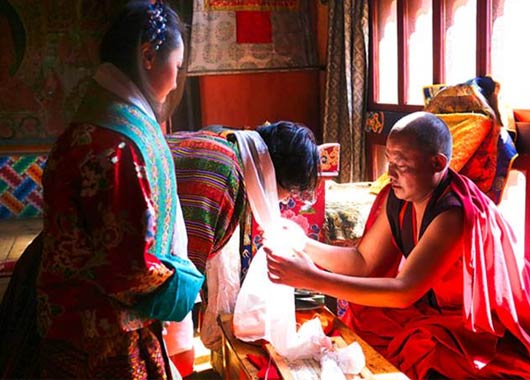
x=295, y=269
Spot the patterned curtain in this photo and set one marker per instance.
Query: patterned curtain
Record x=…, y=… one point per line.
x=346, y=84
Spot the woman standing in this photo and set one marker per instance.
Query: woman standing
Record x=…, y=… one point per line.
x=114, y=259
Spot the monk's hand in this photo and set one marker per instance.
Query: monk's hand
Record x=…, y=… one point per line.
x=294, y=268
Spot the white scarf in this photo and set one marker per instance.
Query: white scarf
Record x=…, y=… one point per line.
x=114, y=80
x=260, y=179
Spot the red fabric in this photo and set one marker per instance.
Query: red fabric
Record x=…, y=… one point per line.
x=108, y=278
x=184, y=362
x=7, y=267
x=496, y=268
x=253, y=27
x=134, y=355
x=521, y=115
x=210, y=188
x=468, y=339
x=265, y=366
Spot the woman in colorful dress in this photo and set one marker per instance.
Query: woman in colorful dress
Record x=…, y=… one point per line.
x=114, y=260
x=214, y=197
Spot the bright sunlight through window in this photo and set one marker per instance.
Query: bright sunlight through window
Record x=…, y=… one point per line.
x=510, y=56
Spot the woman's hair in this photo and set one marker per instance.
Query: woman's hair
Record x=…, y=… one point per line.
x=138, y=22
x=294, y=154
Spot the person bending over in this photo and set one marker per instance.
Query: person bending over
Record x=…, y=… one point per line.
x=214, y=199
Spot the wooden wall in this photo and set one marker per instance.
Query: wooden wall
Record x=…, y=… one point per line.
x=252, y=99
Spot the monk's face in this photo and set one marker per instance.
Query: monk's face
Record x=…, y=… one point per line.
x=411, y=171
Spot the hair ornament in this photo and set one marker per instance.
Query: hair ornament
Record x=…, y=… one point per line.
x=156, y=28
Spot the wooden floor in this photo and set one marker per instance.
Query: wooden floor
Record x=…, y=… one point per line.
x=206, y=374
x=15, y=235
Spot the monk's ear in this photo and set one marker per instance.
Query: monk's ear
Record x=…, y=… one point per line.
x=147, y=55
x=439, y=162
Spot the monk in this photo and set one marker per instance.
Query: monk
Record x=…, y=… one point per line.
x=438, y=283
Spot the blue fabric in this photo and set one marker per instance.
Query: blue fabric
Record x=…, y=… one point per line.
x=506, y=153
x=176, y=297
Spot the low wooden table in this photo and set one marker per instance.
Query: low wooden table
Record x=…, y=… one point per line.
x=237, y=366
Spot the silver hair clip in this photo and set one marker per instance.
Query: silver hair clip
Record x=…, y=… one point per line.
x=156, y=28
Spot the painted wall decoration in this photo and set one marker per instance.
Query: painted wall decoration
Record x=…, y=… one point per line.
x=251, y=36
x=20, y=186
x=375, y=122
x=49, y=51
x=245, y=5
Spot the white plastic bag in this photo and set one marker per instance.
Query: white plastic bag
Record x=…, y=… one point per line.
x=263, y=310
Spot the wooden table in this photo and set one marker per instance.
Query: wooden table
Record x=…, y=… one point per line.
x=237, y=366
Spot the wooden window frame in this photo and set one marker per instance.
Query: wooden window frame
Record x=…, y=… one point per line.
x=483, y=50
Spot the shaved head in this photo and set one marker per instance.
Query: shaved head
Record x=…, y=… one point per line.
x=427, y=132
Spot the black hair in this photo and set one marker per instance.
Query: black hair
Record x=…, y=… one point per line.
x=430, y=133
x=121, y=42
x=294, y=154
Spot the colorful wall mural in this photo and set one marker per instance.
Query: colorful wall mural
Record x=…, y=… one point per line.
x=49, y=51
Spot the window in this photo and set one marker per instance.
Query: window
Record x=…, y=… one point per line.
x=509, y=53
x=387, y=53
x=418, y=49
x=447, y=41
x=459, y=50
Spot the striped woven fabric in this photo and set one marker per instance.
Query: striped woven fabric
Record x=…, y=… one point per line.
x=20, y=186
x=211, y=190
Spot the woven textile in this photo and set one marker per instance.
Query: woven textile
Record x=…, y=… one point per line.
x=210, y=188
x=20, y=186
x=251, y=5
x=287, y=43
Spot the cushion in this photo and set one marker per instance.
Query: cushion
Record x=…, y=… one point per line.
x=522, y=140
x=521, y=115
x=430, y=92
x=457, y=99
